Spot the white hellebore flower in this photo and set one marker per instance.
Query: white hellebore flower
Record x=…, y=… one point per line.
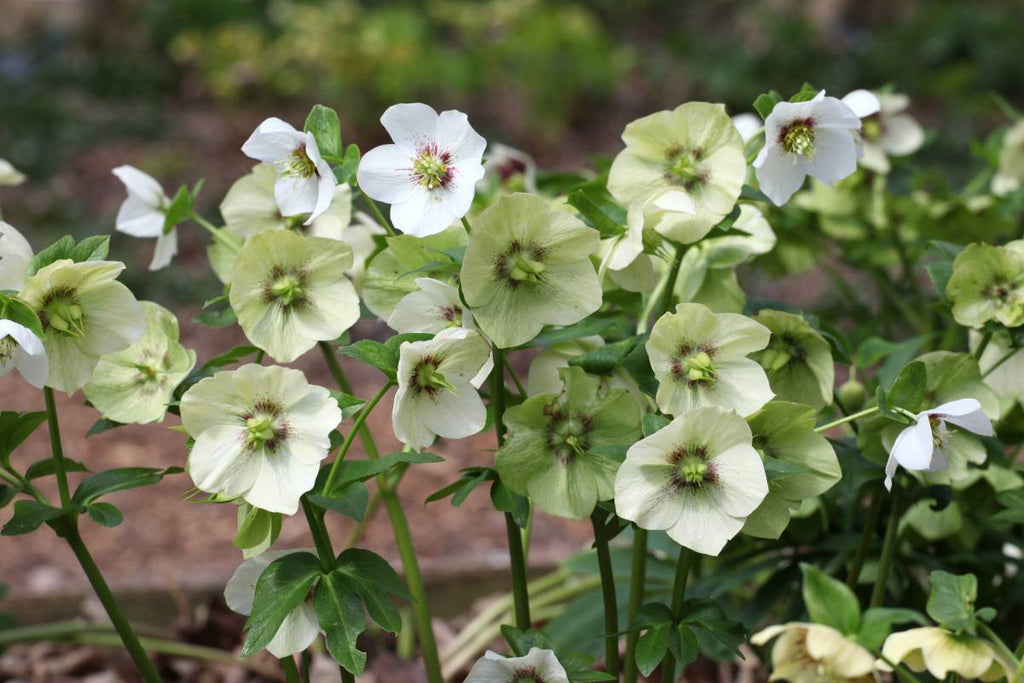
x=748, y=125
x=260, y=433
x=144, y=214
x=10, y=175
x=538, y=666
x=305, y=182
x=806, y=138
x=21, y=349
x=429, y=174
x=433, y=307
x=15, y=255
x=925, y=445
x=885, y=130
x=437, y=383
x=298, y=630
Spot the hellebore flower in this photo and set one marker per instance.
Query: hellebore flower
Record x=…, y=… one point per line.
x=942, y=652
x=815, y=653
x=429, y=174
x=798, y=360
x=988, y=284
x=15, y=255
x=9, y=175
x=260, y=433
x=885, y=130
x=539, y=666
x=22, y=350
x=1010, y=173
x=144, y=214
x=435, y=306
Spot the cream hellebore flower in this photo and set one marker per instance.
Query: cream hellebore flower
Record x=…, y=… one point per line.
x=429, y=174
x=22, y=350
x=144, y=214
x=538, y=666
x=988, y=284
x=85, y=313
x=925, y=445
x=437, y=383
x=260, y=433
x=9, y=175
x=15, y=255
x=290, y=291
x=813, y=138
x=815, y=653
x=700, y=359
x=527, y=265
x=298, y=630
x=136, y=384
x=885, y=130
x=943, y=652
x=435, y=306
x=305, y=182
x=1010, y=173
x=697, y=478
x=685, y=167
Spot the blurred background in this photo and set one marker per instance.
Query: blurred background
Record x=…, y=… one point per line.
x=175, y=86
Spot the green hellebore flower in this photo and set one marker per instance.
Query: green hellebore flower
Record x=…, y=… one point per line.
x=988, y=284
x=798, y=360
x=559, y=447
x=136, y=384
x=528, y=265
x=785, y=432
x=694, y=149
x=290, y=291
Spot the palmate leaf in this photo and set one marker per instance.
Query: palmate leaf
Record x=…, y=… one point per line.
x=339, y=612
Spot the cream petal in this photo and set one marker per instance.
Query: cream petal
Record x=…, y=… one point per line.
x=643, y=494
x=113, y=319
x=218, y=462
x=743, y=481
x=703, y=525
x=901, y=135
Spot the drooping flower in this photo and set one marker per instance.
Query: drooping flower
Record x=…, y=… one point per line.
x=305, y=183
x=698, y=478
x=806, y=138
x=1010, y=173
x=885, y=130
x=925, y=444
x=747, y=125
x=298, y=630
x=784, y=434
x=685, y=167
x=988, y=284
x=556, y=449
x=798, y=360
x=509, y=165
x=815, y=653
x=85, y=313
x=15, y=255
x=144, y=214
x=22, y=350
x=136, y=384
x=435, y=306
x=290, y=291
x=260, y=434
x=528, y=265
x=619, y=252
x=428, y=175
x=942, y=652
x=10, y=175
x=437, y=383
x=700, y=359
x=538, y=665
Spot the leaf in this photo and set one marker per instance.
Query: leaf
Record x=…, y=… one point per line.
x=323, y=123
x=346, y=170
x=765, y=102
x=282, y=587
x=1013, y=502
x=102, y=425
x=651, y=423
x=104, y=514
x=7, y=494
x=599, y=210
x=18, y=311
x=829, y=601
x=460, y=489
x=350, y=500
x=951, y=602
x=877, y=623
x=908, y=390
x=340, y=615
x=15, y=428
x=651, y=648
x=638, y=365
x=179, y=209
x=28, y=516
x=220, y=317
x=369, y=576
x=233, y=356
x=806, y=93
x=604, y=359
x=650, y=615
x=384, y=356
x=109, y=481
x=504, y=500
x=585, y=328
x=350, y=405
x=684, y=645
x=362, y=470
x=521, y=642
x=717, y=634
x=254, y=528
x=777, y=469
x=48, y=466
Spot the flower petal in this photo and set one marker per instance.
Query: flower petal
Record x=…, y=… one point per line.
x=410, y=125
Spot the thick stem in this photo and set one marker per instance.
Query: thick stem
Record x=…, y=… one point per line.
x=466, y=225
x=57, y=449
x=347, y=677
x=637, y=582
x=321, y=538
x=291, y=672
x=874, y=511
x=611, y=607
x=847, y=418
x=520, y=596
x=985, y=339
x=888, y=552
x=668, y=665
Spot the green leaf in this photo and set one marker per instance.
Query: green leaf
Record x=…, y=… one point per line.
x=603, y=360
x=350, y=500
x=61, y=249
x=684, y=645
x=776, y=468
x=384, y=356
x=521, y=642
x=233, y=356
x=806, y=93
x=585, y=328
x=15, y=428
x=650, y=615
x=651, y=648
x=504, y=500
x=282, y=587
x=371, y=577
x=951, y=602
x=908, y=390
x=179, y=209
x=18, y=311
x=104, y=514
x=28, y=516
x=362, y=470
x=877, y=623
x=599, y=210
x=7, y=494
x=1013, y=502
x=323, y=123
x=339, y=612
x=218, y=317
x=346, y=169
x=765, y=102
x=638, y=365
x=829, y=601
x=460, y=489
x=48, y=466
x=109, y=481
x=102, y=425
x=254, y=528
x=350, y=405
x=717, y=634
x=651, y=423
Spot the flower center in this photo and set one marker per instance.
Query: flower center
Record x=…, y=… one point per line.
x=427, y=378
x=940, y=435
x=798, y=138
x=526, y=674
x=568, y=434
x=263, y=429
x=871, y=128
x=683, y=168
x=7, y=349
x=147, y=372
x=259, y=430
x=520, y=264
x=526, y=269
x=781, y=350
x=286, y=286
x=287, y=289
x=432, y=168
x=299, y=164
x=692, y=469
x=62, y=312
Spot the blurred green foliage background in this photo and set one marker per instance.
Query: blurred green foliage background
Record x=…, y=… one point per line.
x=175, y=86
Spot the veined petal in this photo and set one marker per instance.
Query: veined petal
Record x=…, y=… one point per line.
x=835, y=155
x=703, y=525
x=406, y=422
x=454, y=414
x=454, y=134
x=297, y=632
x=113, y=318
x=778, y=174
x=296, y=195
x=218, y=463
x=427, y=212
x=280, y=482
x=743, y=484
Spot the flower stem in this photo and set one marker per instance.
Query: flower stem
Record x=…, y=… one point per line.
x=1004, y=650
x=985, y=339
x=57, y=449
x=321, y=538
x=847, y=418
x=668, y=665
x=888, y=552
x=611, y=607
x=637, y=582
x=999, y=362
x=291, y=673
x=465, y=224
x=385, y=223
x=217, y=235
x=874, y=511
x=357, y=427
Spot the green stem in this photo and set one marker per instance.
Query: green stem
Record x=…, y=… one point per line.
x=117, y=617
x=465, y=224
x=611, y=607
x=1011, y=354
x=357, y=428
x=515, y=378
x=998, y=643
x=321, y=538
x=637, y=582
x=846, y=418
x=498, y=395
x=874, y=511
x=57, y=449
x=217, y=235
x=985, y=339
x=375, y=210
x=901, y=672
x=888, y=552
x=291, y=673
x=668, y=665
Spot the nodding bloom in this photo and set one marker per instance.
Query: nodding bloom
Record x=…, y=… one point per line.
x=22, y=350
x=942, y=652
x=144, y=214
x=805, y=653
x=433, y=307
x=539, y=666
x=429, y=174
x=886, y=131
x=15, y=255
x=305, y=182
x=988, y=284
x=812, y=138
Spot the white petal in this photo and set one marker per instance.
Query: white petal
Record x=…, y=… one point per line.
x=406, y=422
x=704, y=526
x=454, y=415
x=139, y=219
x=427, y=212
x=297, y=632
x=643, y=494
x=914, y=445
x=961, y=414
x=454, y=134
x=835, y=155
x=410, y=125
x=166, y=248
x=218, y=464
x=863, y=103
x=140, y=185
x=273, y=141
x=743, y=481
x=778, y=174
x=296, y=195
x=280, y=483
x=15, y=255
x=901, y=135
x=114, y=319
x=676, y=201
x=35, y=369
x=385, y=174
x=748, y=125
x=326, y=182
x=24, y=337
